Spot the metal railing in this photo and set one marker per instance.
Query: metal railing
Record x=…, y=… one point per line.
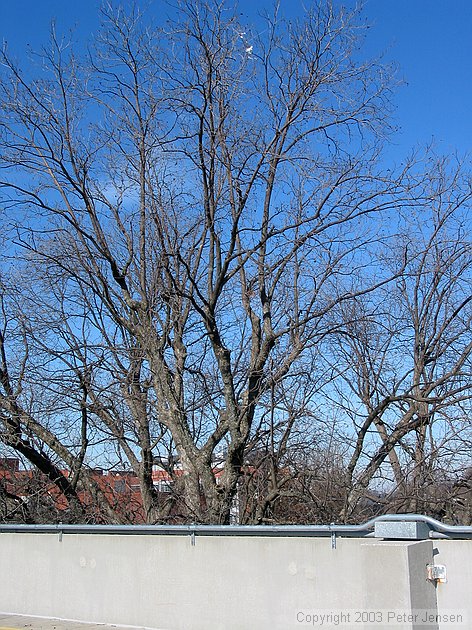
x=434, y=528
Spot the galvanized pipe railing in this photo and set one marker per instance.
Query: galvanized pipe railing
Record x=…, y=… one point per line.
x=195, y=530
x=437, y=529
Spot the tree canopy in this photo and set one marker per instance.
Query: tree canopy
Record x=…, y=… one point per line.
x=209, y=268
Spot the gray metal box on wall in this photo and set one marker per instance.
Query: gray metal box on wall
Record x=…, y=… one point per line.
x=402, y=530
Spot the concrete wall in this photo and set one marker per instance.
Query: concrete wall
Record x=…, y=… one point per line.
x=455, y=596
x=229, y=582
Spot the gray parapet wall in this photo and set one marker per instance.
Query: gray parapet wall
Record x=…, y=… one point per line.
x=254, y=579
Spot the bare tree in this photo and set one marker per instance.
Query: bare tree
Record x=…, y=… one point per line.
x=404, y=357
x=187, y=205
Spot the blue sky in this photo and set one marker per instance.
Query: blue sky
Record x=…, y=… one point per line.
x=431, y=40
